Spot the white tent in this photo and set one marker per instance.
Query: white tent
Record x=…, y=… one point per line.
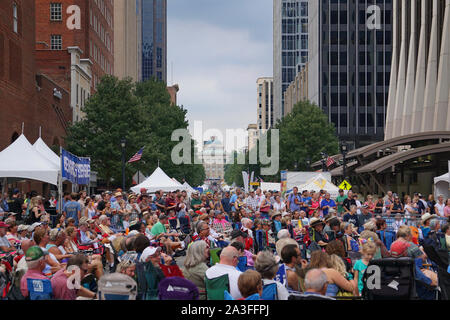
x=318, y=183
x=176, y=181
x=189, y=189
x=48, y=153
x=441, y=186
x=138, y=177
x=266, y=186
x=21, y=160
x=158, y=180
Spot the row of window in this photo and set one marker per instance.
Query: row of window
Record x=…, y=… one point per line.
x=365, y=99
x=98, y=57
x=105, y=11
x=101, y=32
x=365, y=79
x=82, y=96
x=365, y=120
x=365, y=38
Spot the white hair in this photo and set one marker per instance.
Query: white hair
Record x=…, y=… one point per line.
x=283, y=233
x=315, y=279
x=246, y=221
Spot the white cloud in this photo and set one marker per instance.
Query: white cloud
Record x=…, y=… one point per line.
x=216, y=69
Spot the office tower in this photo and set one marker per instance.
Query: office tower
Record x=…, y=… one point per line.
x=154, y=39
x=127, y=39
x=265, y=109
x=290, y=47
x=420, y=83
x=349, y=65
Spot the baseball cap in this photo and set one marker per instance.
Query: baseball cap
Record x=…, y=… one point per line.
x=34, y=253
x=33, y=226
x=238, y=233
x=22, y=227
x=399, y=248
x=149, y=251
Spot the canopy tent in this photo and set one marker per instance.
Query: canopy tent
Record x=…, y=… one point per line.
x=441, y=186
x=318, y=183
x=272, y=186
x=21, y=160
x=189, y=189
x=176, y=181
x=139, y=177
x=48, y=153
x=158, y=180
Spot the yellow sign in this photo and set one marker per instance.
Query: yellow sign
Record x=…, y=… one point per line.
x=320, y=183
x=254, y=183
x=345, y=185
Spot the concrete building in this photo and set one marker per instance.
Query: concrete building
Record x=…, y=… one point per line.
x=27, y=96
x=297, y=90
x=420, y=81
x=253, y=136
x=154, y=39
x=127, y=39
x=290, y=46
x=214, y=157
x=265, y=109
x=349, y=66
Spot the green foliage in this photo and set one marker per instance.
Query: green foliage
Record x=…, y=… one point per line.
x=142, y=114
x=305, y=132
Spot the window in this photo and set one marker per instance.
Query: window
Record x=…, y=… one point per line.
x=15, y=19
x=55, y=11
x=56, y=42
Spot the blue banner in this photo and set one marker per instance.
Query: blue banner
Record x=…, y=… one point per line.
x=76, y=170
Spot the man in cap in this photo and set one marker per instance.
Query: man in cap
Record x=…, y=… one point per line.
x=22, y=232
x=5, y=245
x=35, y=258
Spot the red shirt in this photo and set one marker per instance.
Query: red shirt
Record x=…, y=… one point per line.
x=60, y=289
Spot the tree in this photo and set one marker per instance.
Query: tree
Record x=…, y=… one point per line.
x=143, y=115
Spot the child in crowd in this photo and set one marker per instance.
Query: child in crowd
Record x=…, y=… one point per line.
x=125, y=221
x=398, y=222
x=368, y=251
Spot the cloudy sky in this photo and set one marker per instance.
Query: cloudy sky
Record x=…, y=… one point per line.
x=218, y=49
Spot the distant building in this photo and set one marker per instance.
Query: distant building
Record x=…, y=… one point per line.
x=290, y=47
x=214, y=158
x=127, y=39
x=297, y=90
x=173, y=90
x=253, y=136
x=265, y=109
x=154, y=39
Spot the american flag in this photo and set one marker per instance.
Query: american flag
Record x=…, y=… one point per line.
x=330, y=161
x=137, y=156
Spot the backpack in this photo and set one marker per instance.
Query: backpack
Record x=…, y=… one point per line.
x=270, y=292
x=177, y=288
x=117, y=286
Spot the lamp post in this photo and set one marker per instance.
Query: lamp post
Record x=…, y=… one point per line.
x=308, y=162
x=344, y=150
x=123, y=144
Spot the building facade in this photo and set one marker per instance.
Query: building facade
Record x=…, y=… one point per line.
x=297, y=90
x=154, y=39
x=253, y=136
x=28, y=98
x=214, y=157
x=290, y=46
x=265, y=107
x=419, y=99
x=127, y=39
x=349, y=66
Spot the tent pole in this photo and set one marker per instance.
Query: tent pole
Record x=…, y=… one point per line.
x=60, y=182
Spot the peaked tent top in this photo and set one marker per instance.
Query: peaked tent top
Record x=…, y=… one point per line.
x=21, y=160
x=48, y=153
x=158, y=180
x=188, y=187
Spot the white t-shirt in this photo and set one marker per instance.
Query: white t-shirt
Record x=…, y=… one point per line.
x=440, y=209
x=282, y=292
x=233, y=275
x=279, y=206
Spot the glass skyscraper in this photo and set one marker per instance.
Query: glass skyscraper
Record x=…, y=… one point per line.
x=350, y=65
x=154, y=39
x=290, y=47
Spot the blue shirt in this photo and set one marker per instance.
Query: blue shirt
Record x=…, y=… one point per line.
x=305, y=200
x=292, y=205
x=226, y=204
x=71, y=208
x=326, y=202
x=232, y=201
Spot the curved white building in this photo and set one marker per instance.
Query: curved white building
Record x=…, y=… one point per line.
x=420, y=79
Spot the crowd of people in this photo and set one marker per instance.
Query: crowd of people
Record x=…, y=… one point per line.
x=225, y=244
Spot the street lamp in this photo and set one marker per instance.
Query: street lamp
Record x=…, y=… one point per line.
x=344, y=150
x=308, y=162
x=123, y=144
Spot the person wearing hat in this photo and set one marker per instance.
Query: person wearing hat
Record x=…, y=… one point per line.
x=35, y=258
x=276, y=220
x=316, y=232
x=5, y=245
x=22, y=232
x=425, y=227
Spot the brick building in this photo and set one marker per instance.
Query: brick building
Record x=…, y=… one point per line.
x=26, y=96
